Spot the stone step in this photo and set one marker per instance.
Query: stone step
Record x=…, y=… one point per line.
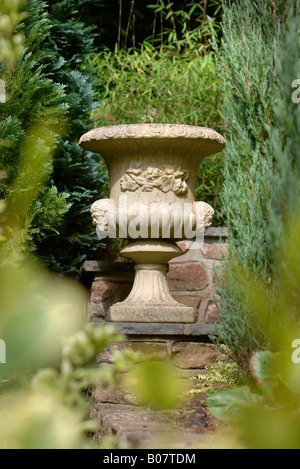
x=138, y=427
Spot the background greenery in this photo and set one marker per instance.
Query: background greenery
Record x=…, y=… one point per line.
x=51, y=355
x=72, y=76
x=169, y=77
x=65, y=73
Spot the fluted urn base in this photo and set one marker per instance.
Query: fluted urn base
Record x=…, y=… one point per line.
x=150, y=299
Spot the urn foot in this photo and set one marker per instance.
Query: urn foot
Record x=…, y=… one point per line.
x=151, y=313
x=150, y=299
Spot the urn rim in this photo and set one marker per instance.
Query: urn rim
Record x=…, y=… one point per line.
x=96, y=138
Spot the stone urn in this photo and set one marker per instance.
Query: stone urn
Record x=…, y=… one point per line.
x=152, y=171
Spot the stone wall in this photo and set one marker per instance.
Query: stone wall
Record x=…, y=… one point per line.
x=191, y=279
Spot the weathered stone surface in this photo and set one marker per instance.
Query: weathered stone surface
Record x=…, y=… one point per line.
x=187, y=277
x=195, y=354
x=214, y=251
x=108, y=268
x=100, y=291
x=130, y=424
x=96, y=311
x=144, y=428
x=201, y=330
x=148, y=350
x=117, y=394
x=214, y=233
x=190, y=255
x=163, y=329
x=192, y=301
x=211, y=315
x=184, y=244
x=140, y=312
x=146, y=329
x=145, y=350
x=111, y=292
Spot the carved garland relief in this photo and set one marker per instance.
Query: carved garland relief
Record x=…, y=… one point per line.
x=154, y=178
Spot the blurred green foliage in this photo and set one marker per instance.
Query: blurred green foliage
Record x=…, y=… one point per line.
x=11, y=42
x=224, y=375
x=155, y=384
x=41, y=324
x=48, y=407
x=151, y=85
x=51, y=365
x=266, y=411
x=26, y=146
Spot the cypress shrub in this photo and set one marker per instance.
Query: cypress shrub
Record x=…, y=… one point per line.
x=75, y=172
x=259, y=161
x=29, y=120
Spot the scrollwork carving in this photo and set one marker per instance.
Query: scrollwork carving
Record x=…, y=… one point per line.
x=152, y=131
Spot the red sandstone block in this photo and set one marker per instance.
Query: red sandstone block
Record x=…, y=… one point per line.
x=193, y=301
x=103, y=291
x=211, y=315
x=100, y=291
x=214, y=251
x=195, y=355
x=187, y=277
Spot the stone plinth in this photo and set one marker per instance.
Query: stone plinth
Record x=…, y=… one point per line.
x=185, y=345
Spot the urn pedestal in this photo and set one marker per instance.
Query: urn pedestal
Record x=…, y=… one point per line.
x=152, y=171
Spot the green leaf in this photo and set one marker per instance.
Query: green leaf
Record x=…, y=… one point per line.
x=264, y=367
x=232, y=404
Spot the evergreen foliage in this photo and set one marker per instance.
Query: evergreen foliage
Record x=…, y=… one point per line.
x=261, y=167
x=76, y=172
x=31, y=98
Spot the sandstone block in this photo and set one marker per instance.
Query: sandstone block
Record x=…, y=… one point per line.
x=187, y=277
x=103, y=291
x=193, y=301
x=214, y=251
x=195, y=354
x=211, y=315
x=145, y=350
